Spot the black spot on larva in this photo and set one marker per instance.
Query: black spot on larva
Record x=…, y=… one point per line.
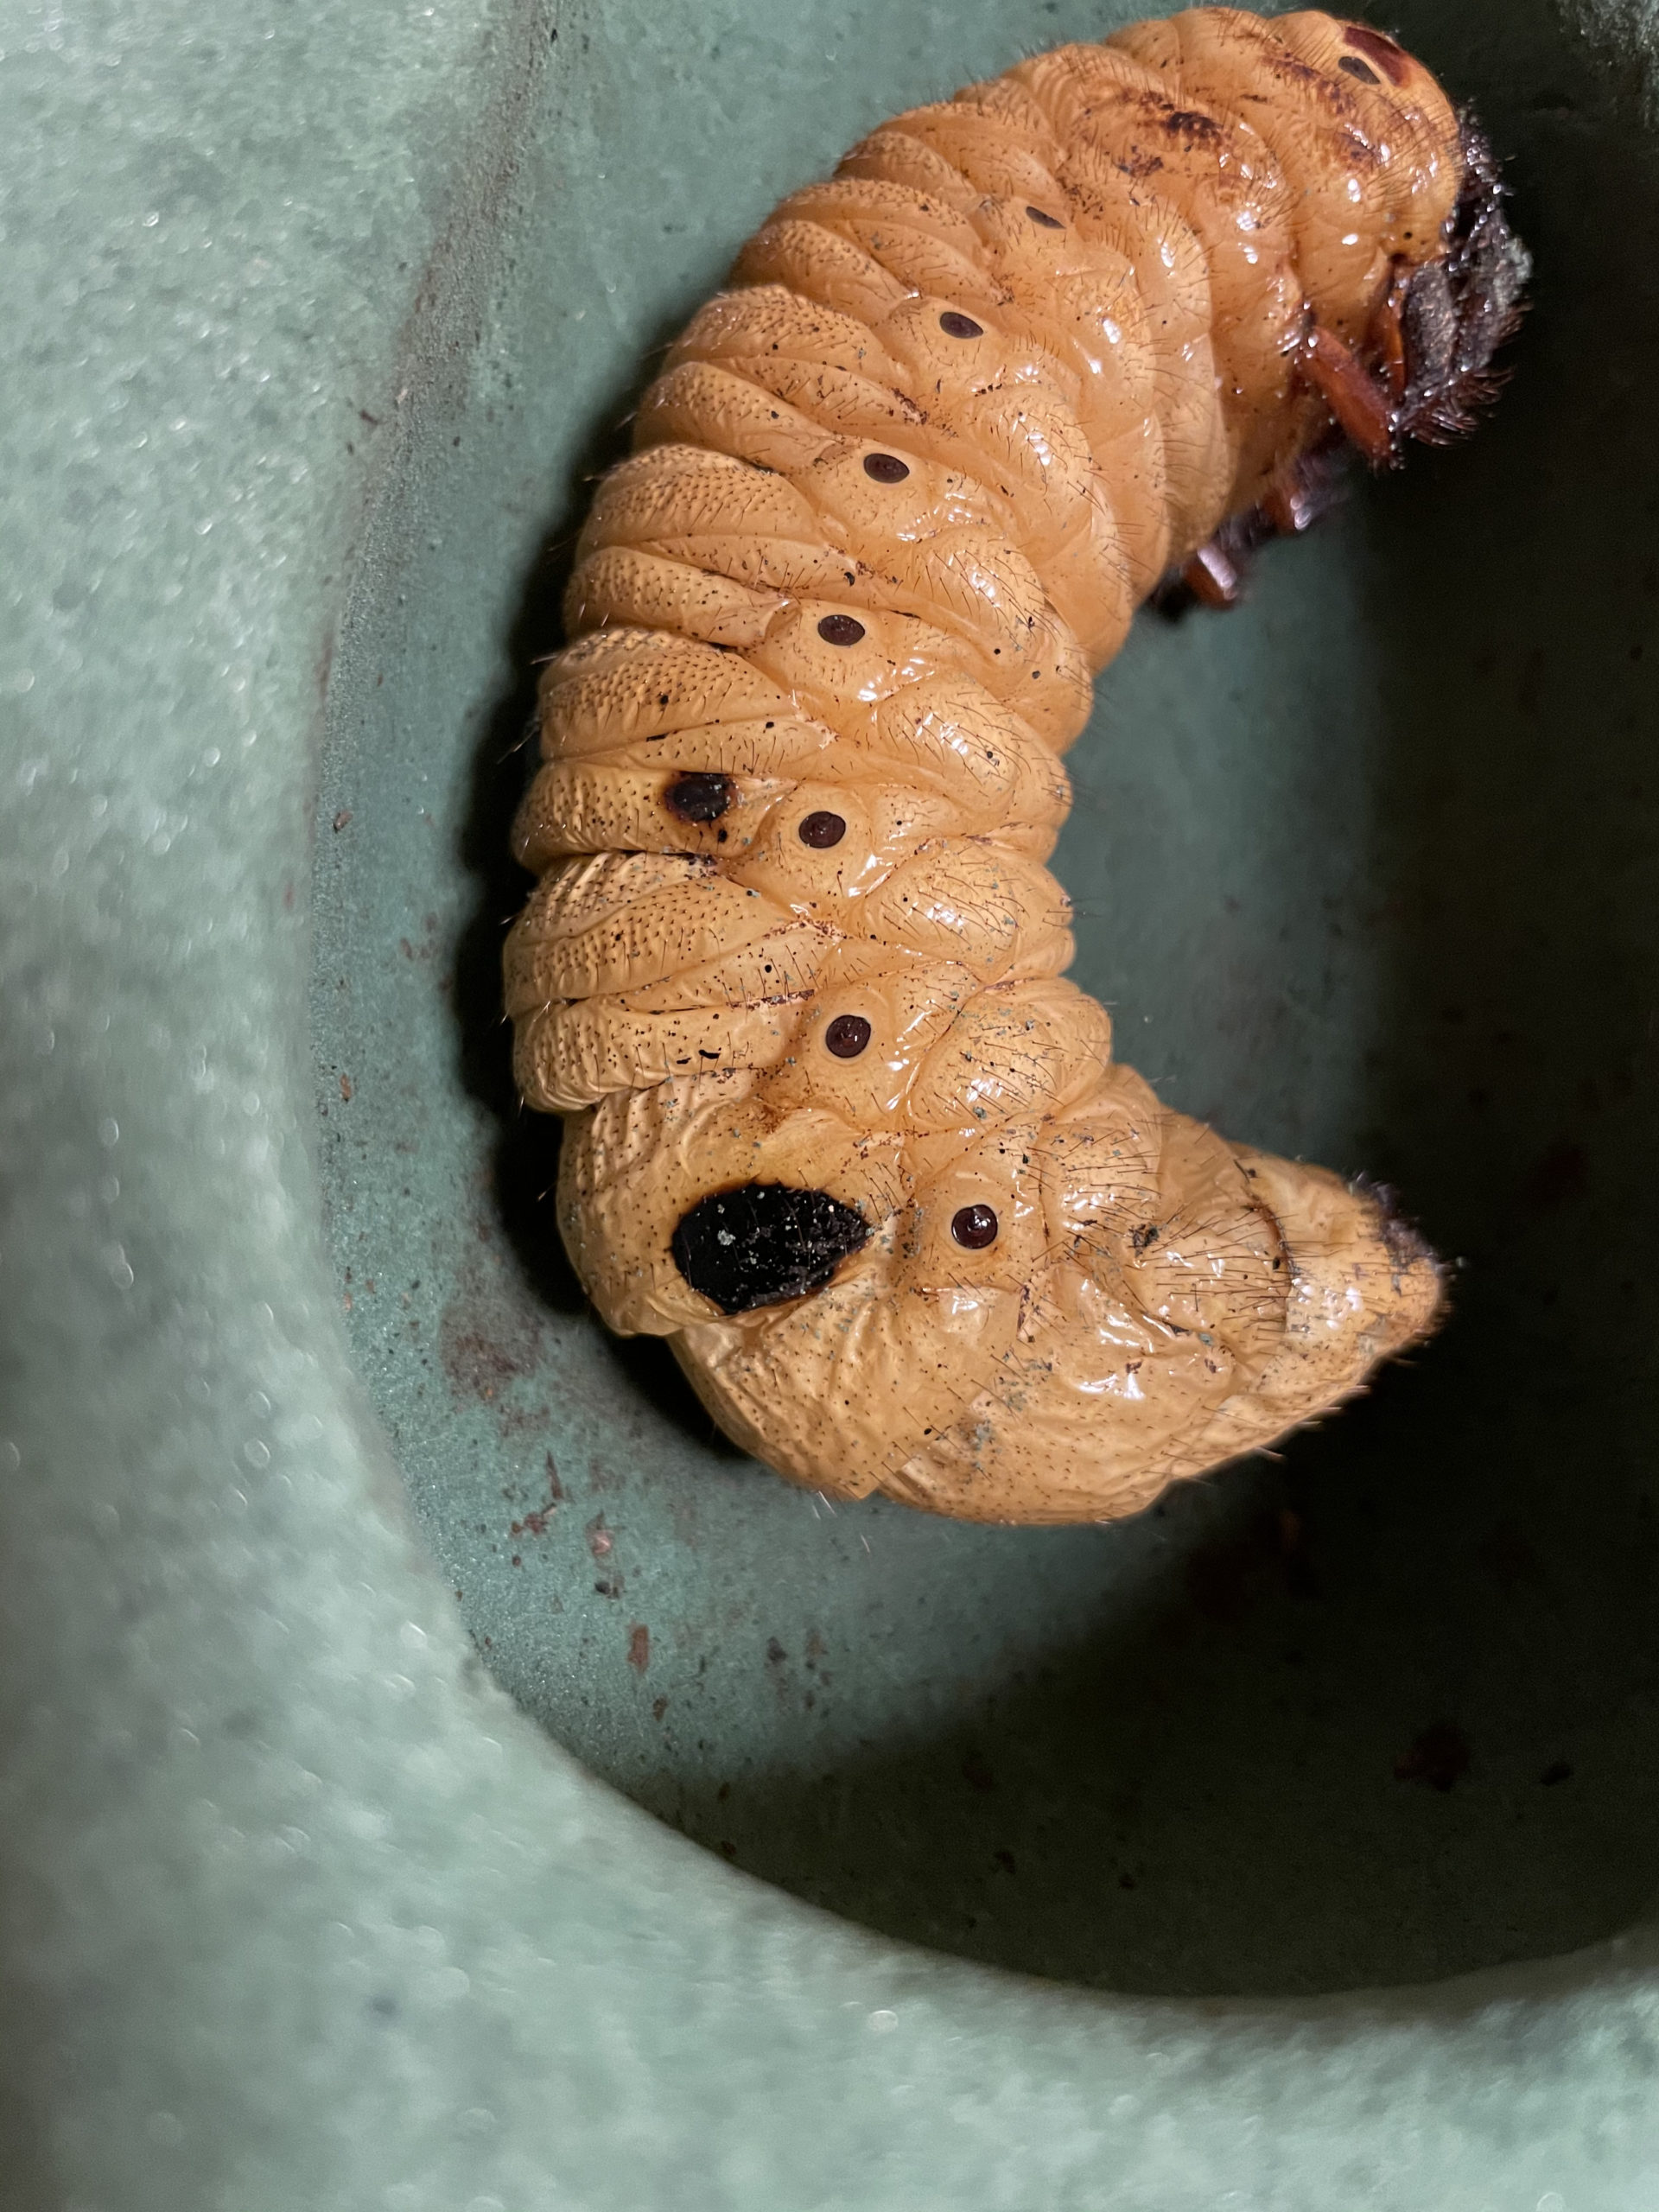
x=847, y=1036
x=699, y=798
x=840, y=630
x=974, y=1227
x=1390, y=59
x=1194, y=125
x=960, y=325
x=764, y=1242
x=1048, y=222
x=822, y=829
x=1352, y=65
x=886, y=467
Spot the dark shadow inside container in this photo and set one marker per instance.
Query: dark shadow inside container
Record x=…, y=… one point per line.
x=1366, y=871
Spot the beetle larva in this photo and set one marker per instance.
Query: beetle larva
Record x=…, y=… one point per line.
x=837, y=1126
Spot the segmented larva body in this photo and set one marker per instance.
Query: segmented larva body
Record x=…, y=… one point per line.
x=838, y=1126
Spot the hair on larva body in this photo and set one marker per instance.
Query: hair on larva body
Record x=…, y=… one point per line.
x=839, y=1128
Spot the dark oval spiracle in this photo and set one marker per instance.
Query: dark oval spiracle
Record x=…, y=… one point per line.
x=822, y=829
x=886, y=467
x=974, y=1227
x=960, y=325
x=847, y=1036
x=840, y=630
x=698, y=797
x=1048, y=222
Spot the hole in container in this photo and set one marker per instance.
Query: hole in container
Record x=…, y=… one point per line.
x=1377, y=1710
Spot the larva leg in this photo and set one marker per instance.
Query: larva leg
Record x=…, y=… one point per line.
x=1423, y=372
x=1357, y=400
x=1388, y=330
x=1303, y=490
x=838, y=1126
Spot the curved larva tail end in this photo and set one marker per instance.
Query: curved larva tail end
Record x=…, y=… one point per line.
x=1419, y=1276
x=1366, y=1284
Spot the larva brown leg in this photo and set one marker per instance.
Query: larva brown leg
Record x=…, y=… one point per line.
x=1431, y=338
x=1388, y=330
x=1353, y=395
x=1213, y=576
x=1302, y=491
x=1366, y=407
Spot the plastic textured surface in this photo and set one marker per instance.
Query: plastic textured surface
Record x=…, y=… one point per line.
x=300, y=1909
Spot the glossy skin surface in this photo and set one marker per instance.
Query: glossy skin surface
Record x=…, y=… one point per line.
x=897, y=496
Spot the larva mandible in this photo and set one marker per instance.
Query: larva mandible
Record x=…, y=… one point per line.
x=837, y=1126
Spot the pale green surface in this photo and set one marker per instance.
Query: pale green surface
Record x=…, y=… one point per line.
x=303, y=1912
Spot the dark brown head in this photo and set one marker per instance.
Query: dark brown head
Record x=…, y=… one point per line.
x=1461, y=307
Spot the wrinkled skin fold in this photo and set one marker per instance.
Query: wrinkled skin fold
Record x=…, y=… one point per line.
x=838, y=1126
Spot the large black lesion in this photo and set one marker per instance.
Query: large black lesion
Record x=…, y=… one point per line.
x=764, y=1242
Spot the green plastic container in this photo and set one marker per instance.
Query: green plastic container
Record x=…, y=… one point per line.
x=444, y=1776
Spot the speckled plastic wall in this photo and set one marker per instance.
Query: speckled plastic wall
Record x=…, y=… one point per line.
x=316, y=1890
